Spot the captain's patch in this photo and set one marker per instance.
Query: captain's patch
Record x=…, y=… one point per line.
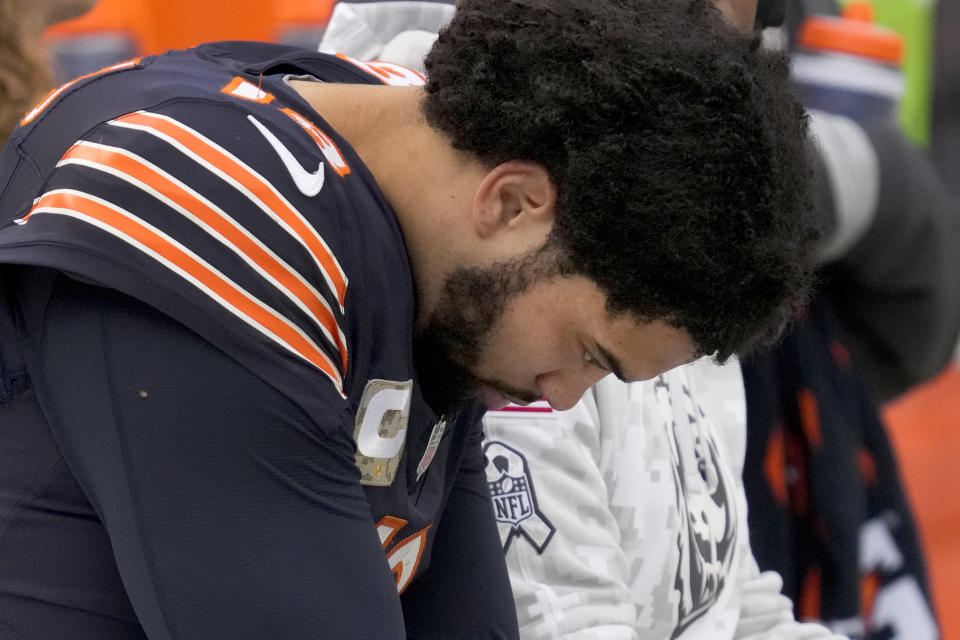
x=381, y=430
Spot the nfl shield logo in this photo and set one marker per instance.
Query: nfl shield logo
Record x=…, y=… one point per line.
x=514, y=500
x=511, y=499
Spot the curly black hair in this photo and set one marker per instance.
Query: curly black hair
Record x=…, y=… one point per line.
x=678, y=151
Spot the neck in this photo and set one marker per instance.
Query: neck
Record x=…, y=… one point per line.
x=424, y=179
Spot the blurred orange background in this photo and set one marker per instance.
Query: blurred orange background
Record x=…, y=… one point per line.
x=925, y=430
x=176, y=24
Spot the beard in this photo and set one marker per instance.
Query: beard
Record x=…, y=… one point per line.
x=449, y=346
x=446, y=351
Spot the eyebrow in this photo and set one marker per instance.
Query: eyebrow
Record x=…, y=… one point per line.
x=612, y=363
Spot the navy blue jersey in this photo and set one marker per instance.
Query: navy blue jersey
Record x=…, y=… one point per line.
x=215, y=318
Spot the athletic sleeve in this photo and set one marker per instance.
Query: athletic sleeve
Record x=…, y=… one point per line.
x=763, y=612
x=466, y=592
x=230, y=511
x=567, y=560
x=625, y=517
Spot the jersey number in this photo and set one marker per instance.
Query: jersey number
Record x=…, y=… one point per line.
x=404, y=557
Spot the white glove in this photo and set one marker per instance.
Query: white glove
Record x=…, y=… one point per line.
x=796, y=631
x=762, y=606
x=767, y=614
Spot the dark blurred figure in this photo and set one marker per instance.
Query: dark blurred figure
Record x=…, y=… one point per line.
x=827, y=508
x=946, y=93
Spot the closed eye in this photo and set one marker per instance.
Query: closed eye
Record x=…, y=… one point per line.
x=592, y=361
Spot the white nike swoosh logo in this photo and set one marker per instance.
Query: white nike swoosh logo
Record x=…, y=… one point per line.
x=308, y=183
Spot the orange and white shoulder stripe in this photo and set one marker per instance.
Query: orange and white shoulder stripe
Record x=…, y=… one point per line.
x=327, y=146
x=534, y=409
x=56, y=93
x=250, y=183
x=156, y=244
x=389, y=73
x=246, y=90
x=159, y=184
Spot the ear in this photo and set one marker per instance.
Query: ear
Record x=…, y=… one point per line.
x=514, y=196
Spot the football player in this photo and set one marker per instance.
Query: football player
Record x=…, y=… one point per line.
x=256, y=299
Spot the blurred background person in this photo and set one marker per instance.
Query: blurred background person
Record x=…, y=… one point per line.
x=946, y=92
x=828, y=509
x=25, y=74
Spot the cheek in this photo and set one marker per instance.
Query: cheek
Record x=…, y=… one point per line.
x=503, y=354
x=520, y=351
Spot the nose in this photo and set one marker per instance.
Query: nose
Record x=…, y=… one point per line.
x=563, y=389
